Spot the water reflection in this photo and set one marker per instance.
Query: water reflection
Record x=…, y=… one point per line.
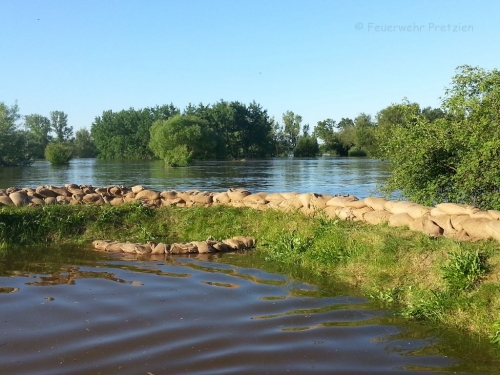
x=225, y=313
x=325, y=175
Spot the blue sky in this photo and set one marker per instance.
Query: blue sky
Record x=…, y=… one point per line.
x=320, y=59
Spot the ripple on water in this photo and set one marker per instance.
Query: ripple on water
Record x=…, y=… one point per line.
x=196, y=317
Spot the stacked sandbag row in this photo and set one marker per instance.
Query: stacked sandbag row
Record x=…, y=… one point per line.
x=457, y=221
x=194, y=247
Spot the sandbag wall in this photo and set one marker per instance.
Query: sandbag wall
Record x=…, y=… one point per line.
x=457, y=221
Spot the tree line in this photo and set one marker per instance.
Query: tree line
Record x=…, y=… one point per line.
x=446, y=154
x=38, y=137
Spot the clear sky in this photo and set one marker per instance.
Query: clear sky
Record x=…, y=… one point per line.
x=318, y=58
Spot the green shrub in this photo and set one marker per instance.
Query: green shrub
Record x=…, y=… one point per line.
x=464, y=269
x=58, y=153
x=356, y=151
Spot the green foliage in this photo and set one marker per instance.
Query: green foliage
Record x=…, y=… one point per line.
x=126, y=134
x=357, y=151
x=38, y=128
x=83, y=145
x=429, y=305
x=58, y=153
x=464, y=269
x=183, y=138
x=291, y=129
x=59, y=125
x=286, y=247
x=451, y=157
x=307, y=146
x=14, y=143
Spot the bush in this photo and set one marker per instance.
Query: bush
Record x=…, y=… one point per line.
x=452, y=158
x=356, y=151
x=58, y=153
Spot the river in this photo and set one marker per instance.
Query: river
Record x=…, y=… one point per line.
x=325, y=175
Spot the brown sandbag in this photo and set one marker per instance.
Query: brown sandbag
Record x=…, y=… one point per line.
x=493, y=229
x=116, y=201
x=137, y=188
x=221, y=246
x=289, y=194
x=457, y=220
x=159, y=248
x=35, y=201
x=18, y=198
x=400, y=220
x=397, y=207
x=437, y=212
x=59, y=190
x=455, y=208
x=6, y=201
x=254, y=199
x=376, y=203
x=330, y=212
x=294, y=203
x=319, y=201
x=482, y=215
x=100, y=244
x=234, y=244
x=357, y=205
x=168, y=194
x=417, y=211
x=42, y=190
x=183, y=248
x=93, y=198
x=477, y=228
x=274, y=197
x=341, y=201
x=128, y=247
x=114, y=247
x=222, y=198
x=172, y=201
x=237, y=195
x=147, y=195
x=345, y=213
x=359, y=213
x=203, y=247
x=204, y=198
x=61, y=199
x=143, y=249
x=247, y=241
x=426, y=226
x=443, y=221
x=377, y=217
x=50, y=200
x=495, y=214
x=460, y=236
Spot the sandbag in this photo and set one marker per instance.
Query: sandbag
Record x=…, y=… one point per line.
x=455, y=208
x=147, y=195
x=426, y=226
x=377, y=217
x=400, y=220
x=341, y=201
x=493, y=229
x=137, y=188
x=477, y=228
x=203, y=247
x=330, y=212
x=237, y=195
x=376, y=203
x=18, y=198
x=222, y=198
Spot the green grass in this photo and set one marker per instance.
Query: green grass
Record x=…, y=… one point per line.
x=451, y=283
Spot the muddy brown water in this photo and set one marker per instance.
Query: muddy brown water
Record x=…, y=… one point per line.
x=69, y=310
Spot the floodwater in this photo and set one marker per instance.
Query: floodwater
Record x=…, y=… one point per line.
x=70, y=310
x=324, y=175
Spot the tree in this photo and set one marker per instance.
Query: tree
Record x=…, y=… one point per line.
x=14, y=144
x=291, y=129
x=59, y=124
x=58, y=153
x=307, y=146
x=38, y=128
x=83, y=144
x=451, y=158
x=182, y=139
x=364, y=134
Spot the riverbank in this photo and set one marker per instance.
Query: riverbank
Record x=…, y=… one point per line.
x=456, y=284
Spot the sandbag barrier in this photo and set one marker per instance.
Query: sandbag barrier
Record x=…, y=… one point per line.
x=456, y=221
x=195, y=247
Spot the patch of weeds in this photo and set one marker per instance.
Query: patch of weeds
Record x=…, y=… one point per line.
x=431, y=306
x=495, y=337
x=287, y=246
x=464, y=269
x=388, y=296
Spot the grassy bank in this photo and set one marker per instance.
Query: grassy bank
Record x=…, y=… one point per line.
x=455, y=284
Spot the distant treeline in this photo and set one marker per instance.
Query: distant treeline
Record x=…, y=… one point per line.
x=441, y=154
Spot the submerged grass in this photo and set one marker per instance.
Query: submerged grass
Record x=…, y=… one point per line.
x=454, y=284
